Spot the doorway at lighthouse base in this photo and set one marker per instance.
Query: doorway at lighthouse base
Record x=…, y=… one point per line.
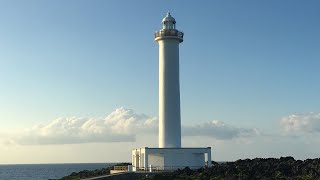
x=159, y=159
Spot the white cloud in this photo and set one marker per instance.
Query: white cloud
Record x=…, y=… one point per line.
x=307, y=122
x=218, y=130
x=122, y=125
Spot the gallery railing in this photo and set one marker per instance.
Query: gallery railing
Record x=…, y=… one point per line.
x=168, y=32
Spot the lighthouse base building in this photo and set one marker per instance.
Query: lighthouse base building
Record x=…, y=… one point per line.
x=152, y=159
x=169, y=155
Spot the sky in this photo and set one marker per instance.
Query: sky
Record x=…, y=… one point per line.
x=79, y=79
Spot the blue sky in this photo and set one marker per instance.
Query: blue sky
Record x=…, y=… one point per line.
x=249, y=64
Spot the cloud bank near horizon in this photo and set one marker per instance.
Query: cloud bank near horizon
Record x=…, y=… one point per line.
x=219, y=130
x=119, y=126
x=301, y=123
x=122, y=125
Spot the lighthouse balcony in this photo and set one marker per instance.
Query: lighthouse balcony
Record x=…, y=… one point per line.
x=168, y=33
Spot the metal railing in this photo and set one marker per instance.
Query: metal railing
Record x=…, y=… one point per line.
x=168, y=32
x=165, y=168
x=120, y=168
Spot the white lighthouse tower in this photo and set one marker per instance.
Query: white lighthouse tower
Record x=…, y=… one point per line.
x=168, y=39
x=169, y=155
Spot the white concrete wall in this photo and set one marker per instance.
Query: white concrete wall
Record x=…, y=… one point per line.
x=156, y=160
x=183, y=158
x=169, y=94
x=170, y=158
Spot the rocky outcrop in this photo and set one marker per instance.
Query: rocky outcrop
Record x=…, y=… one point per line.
x=285, y=168
x=258, y=168
x=87, y=174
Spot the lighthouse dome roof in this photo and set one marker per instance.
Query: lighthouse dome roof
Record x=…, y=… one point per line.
x=168, y=18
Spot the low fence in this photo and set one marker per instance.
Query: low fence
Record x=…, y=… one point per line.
x=164, y=168
x=120, y=168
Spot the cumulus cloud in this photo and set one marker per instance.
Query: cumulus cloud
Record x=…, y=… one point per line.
x=218, y=130
x=307, y=122
x=119, y=126
x=122, y=125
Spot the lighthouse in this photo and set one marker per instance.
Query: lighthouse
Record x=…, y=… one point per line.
x=169, y=39
x=170, y=155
